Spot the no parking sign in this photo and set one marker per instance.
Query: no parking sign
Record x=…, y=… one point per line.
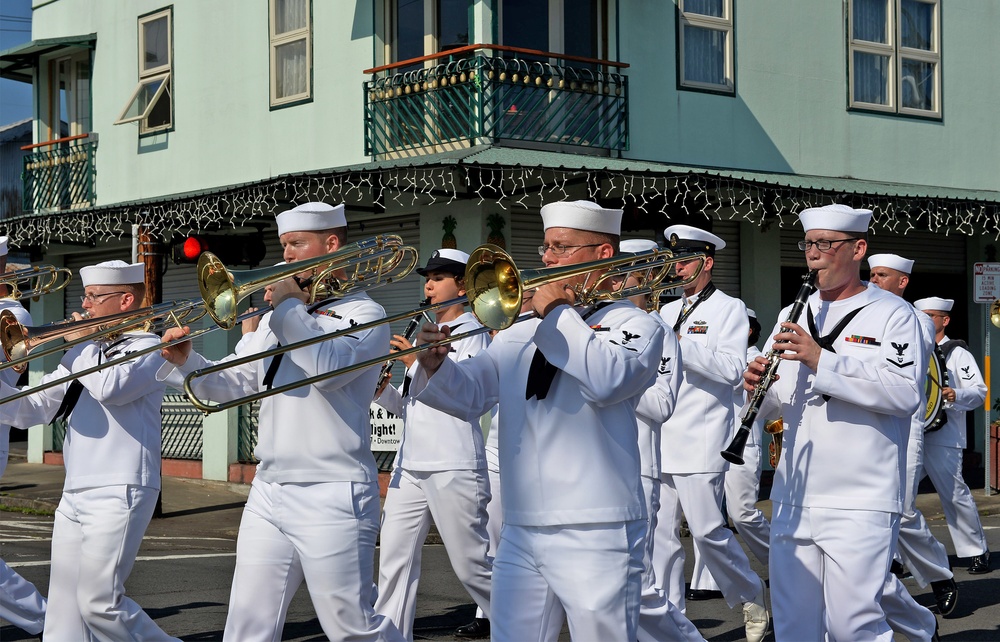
x=986, y=284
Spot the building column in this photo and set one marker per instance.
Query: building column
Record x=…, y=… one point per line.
x=47, y=308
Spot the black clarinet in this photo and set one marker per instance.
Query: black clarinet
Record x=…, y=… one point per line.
x=734, y=453
x=411, y=327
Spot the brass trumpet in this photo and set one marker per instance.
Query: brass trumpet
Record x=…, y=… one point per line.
x=41, y=279
x=495, y=289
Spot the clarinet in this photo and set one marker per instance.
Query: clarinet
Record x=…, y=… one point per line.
x=411, y=327
x=734, y=453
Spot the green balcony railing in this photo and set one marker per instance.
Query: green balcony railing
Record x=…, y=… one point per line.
x=60, y=174
x=483, y=93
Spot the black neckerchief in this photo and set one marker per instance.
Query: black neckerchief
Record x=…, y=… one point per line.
x=272, y=368
x=541, y=372
x=706, y=292
x=826, y=342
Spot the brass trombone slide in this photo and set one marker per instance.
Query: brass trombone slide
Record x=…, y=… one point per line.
x=42, y=279
x=495, y=289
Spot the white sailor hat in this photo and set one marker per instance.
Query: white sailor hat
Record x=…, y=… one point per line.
x=751, y=313
x=311, y=217
x=113, y=273
x=3, y=246
x=693, y=238
x=934, y=303
x=891, y=261
x=446, y=260
x=582, y=215
x=837, y=217
x=632, y=246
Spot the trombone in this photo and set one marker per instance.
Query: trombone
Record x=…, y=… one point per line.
x=42, y=279
x=495, y=289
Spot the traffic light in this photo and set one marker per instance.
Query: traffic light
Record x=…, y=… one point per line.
x=231, y=249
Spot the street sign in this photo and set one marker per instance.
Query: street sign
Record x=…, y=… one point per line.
x=986, y=284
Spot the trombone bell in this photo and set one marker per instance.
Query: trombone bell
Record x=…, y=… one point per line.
x=493, y=287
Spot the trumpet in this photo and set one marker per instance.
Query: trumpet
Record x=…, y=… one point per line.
x=41, y=279
x=495, y=289
x=734, y=452
x=375, y=261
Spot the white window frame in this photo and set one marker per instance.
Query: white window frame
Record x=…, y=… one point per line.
x=147, y=76
x=897, y=53
x=285, y=38
x=724, y=24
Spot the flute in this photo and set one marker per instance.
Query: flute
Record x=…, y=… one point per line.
x=734, y=452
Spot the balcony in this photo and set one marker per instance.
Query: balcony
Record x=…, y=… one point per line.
x=483, y=94
x=60, y=174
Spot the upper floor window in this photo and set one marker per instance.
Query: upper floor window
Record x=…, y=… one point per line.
x=895, y=56
x=705, y=51
x=151, y=103
x=291, y=51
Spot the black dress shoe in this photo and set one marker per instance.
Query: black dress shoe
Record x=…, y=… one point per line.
x=899, y=570
x=980, y=564
x=946, y=594
x=696, y=595
x=477, y=629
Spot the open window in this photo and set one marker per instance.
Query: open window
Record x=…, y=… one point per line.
x=151, y=102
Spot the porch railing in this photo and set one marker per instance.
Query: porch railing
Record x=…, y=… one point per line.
x=60, y=174
x=485, y=93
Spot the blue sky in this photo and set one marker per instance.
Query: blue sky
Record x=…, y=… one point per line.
x=15, y=28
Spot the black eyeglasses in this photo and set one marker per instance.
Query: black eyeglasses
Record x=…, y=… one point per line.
x=823, y=245
x=98, y=298
x=558, y=249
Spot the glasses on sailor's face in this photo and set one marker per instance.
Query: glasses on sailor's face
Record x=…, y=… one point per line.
x=823, y=245
x=558, y=249
x=97, y=298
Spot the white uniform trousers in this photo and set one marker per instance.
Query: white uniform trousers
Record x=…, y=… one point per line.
x=20, y=602
x=321, y=532
x=904, y=615
x=456, y=502
x=828, y=569
x=95, y=538
x=659, y=619
x=494, y=509
x=591, y=574
x=924, y=556
x=699, y=496
x=943, y=465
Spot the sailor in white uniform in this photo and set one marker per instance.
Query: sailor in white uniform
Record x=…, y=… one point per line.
x=20, y=602
x=568, y=384
x=916, y=546
x=965, y=391
x=112, y=457
x=848, y=383
x=712, y=328
x=659, y=618
x=313, y=508
x=440, y=469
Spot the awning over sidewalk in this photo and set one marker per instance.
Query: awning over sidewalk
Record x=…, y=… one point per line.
x=18, y=63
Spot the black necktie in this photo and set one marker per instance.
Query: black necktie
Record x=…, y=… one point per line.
x=541, y=372
x=826, y=342
x=272, y=369
x=69, y=401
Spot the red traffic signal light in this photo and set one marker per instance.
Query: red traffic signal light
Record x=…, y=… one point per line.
x=189, y=249
x=231, y=249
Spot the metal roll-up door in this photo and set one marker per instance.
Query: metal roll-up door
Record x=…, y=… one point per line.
x=726, y=273
x=526, y=234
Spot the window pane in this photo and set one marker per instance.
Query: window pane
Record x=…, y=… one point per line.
x=156, y=44
x=409, y=29
x=580, y=28
x=704, y=55
x=159, y=115
x=871, y=78
x=526, y=24
x=291, y=73
x=916, y=25
x=704, y=7
x=454, y=23
x=918, y=85
x=870, y=19
x=290, y=15
x=141, y=102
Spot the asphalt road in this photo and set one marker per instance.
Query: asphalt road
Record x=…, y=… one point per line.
x=182, y=579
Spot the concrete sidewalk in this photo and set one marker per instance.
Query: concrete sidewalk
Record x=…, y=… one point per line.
x=187, y=502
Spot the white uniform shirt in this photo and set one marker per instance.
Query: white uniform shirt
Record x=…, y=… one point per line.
x=113, y=434
x=434, y=440
x=573, y=457
x=970, y=393
x=713, y=343
x=657, y=403
x=10, y=377
x=314, y=433
x=848, y=452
